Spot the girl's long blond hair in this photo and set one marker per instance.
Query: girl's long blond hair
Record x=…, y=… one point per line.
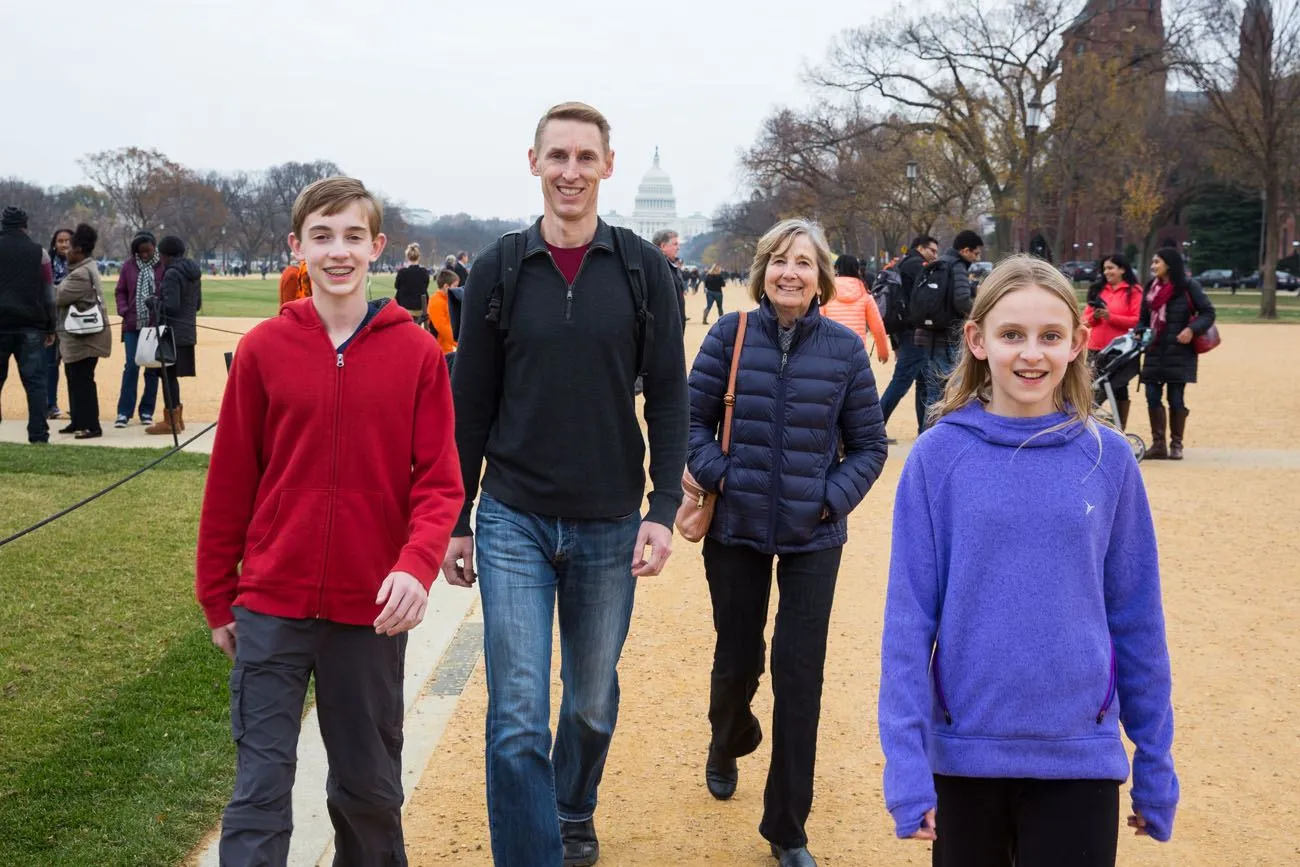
x=971, y=379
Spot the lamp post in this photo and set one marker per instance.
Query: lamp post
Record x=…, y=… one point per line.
x=1033, y=117
x=223, y=251
x=911, y=186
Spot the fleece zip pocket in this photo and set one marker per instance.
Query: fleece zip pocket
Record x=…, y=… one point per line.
x=1110, y=687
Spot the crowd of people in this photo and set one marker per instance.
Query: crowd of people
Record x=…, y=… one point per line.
x=1022, y=537
x=523, y=473
x=53, y=310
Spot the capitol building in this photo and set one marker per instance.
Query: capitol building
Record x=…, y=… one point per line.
x=655, y=209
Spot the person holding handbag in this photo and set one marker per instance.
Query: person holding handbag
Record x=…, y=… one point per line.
x=1178, y=311
x=176, y=306
x=807, y=443
x=84, y=337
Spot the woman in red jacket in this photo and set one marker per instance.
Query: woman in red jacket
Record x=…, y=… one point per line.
x=1112, y=311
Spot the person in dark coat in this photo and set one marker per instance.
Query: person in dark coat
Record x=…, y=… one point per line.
x=83, y=289
x=138, y=281
x=807, y=443
x=1177, y=309
x=179, y=300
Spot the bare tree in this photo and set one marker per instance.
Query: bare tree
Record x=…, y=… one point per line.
x=1245, y=61
x=128, y=176
x=968, y=76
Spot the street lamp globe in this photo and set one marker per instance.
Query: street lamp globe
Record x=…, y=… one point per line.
x=1033, y=115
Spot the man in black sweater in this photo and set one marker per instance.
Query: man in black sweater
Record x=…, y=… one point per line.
x=26, y=315
x=544, y=393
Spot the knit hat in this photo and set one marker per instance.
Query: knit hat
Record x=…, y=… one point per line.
x=13, y=218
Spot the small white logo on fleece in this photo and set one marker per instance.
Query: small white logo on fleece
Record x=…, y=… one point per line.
x=1090, y=507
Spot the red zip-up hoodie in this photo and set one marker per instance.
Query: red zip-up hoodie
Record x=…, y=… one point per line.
x=330, y=469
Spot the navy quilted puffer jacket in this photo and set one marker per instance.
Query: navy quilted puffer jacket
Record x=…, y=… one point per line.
x=790, y=416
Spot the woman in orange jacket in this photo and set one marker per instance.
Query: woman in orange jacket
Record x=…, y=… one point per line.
x=854, y=307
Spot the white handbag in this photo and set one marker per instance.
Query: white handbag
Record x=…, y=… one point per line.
x=84, y=322
x=146, y=350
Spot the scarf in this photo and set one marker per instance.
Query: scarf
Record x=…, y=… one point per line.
x=59, y=265
x=145, y=288
x=1158, y=301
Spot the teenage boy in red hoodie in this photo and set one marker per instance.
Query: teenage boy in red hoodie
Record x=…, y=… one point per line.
x=332, y=492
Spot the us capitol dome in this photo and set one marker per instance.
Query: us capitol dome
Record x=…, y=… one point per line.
x=655, y=209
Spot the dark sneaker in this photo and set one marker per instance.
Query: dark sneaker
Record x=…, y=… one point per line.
x=53, y=413
x=581, y=848
x=146, y=419
x=121, y=422
x=70, y=429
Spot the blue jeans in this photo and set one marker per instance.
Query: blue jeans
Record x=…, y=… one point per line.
x=28, y=349
x=712, y=299
x=939, y=362
x=526, y=564
x=52, y=375
x=131, y=380
x=908, y=367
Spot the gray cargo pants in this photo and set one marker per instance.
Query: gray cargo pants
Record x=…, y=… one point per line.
x=359, y=704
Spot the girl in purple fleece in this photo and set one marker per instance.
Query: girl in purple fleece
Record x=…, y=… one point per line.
x=1023, y=621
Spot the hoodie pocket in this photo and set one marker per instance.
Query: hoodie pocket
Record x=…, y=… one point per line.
x=1110, y=687
x=364, y=544
x=291, y=546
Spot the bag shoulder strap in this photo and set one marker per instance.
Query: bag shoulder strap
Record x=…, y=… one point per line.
x=729, y=399
x=628, y=245
x=510, y=258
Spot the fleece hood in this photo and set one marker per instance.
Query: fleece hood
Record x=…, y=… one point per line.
x=383, y=314
x=1036, y=432
x=849, y=289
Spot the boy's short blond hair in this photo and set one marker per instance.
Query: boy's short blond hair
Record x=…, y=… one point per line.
x=331, y=195
x=578, y=111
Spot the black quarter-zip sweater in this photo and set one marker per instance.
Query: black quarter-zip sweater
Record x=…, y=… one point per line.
x=549, y=402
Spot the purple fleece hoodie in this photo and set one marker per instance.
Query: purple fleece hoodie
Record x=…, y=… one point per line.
x=1024, y=565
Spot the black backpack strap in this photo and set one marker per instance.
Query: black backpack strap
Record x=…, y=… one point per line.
x=628, y=245
x=510, y=258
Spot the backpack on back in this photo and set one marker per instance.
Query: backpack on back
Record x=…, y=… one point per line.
x=931, y=303
x=891, y=299
x=627, y=244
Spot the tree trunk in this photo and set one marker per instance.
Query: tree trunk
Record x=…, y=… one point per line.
x=1268, y=272
x=1002, y=240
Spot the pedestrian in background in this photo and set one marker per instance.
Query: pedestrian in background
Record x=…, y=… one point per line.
x=82, y=290
x=1177, y=310
x=59, y=243
x=26, y=315
x=137, y=283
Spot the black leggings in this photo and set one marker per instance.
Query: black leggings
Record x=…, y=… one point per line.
x=1026, y=823
x=1176, y=390
x=83, y=396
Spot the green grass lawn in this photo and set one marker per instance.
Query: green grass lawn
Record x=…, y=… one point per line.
x=114, y=730
x=253, y=296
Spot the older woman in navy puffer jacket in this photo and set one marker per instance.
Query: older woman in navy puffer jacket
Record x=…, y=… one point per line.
x=807, y=443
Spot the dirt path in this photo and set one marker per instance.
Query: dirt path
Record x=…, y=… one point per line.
x=1231, y=562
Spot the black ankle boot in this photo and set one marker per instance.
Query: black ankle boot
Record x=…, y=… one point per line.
x=581, y=848
x=721, y=774
x=799, y=857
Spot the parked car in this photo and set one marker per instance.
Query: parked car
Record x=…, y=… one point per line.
x=1080, y=272
x=1285, y=281
x=1218, y=278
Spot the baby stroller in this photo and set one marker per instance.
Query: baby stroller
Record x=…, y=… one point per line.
x=1117, y=365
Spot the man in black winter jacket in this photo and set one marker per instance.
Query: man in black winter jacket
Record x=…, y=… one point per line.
x=544, y=395
x=26, y=315
x=910, y=361
x=940, y=344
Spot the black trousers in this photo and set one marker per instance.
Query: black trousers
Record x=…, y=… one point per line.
x=740, y=584
x=359, y=705
x=1026, y=823
x=83, y=394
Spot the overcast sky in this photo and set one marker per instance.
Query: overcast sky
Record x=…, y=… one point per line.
x=433, y=103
